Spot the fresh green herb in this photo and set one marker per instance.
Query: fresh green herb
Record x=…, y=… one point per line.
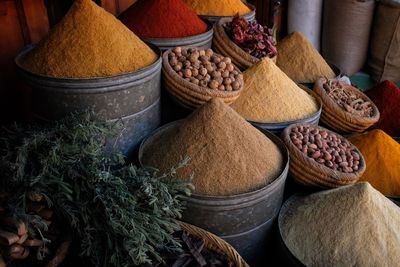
x=123, y=215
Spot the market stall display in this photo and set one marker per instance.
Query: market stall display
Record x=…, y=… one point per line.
x=167, y=24
x=246, y=42
x=382, y=156
x=301, y=61
x=270, y=96
x=321, y=158
x=335, y=227
x=345, y=108
x=193, y=76
x=386, y=96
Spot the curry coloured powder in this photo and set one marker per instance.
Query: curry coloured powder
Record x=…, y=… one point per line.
x=382, y=157
x=271, y=96
x=162, y=19
x=298, y=58
x=218, y=8
x=228, y=155
x=348, y=226
x=88, y=42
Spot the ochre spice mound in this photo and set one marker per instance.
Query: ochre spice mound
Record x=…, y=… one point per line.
x=271, y=96
x=382, y=157
x=218, y=7
x=162, y=19
x=88, y=42
x=348, y=226
x=228, y=155
x=298, y=58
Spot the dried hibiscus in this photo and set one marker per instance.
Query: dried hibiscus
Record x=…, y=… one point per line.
x=255, y=39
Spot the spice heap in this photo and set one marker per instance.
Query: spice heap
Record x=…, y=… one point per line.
x=228, y=155
x=253, y=38
x=382, y=156
x=346, y=99
x=19, y=242
x=271, y=96
x=162, y=19
x=326, y=148
x=349, y=226
x=218, y=8
x=205, y=68
x=386, y=97
x=298, y=58
x=88, y=42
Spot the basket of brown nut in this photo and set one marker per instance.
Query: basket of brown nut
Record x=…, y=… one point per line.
x=193, y=76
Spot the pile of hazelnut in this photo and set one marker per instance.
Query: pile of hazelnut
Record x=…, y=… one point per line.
x=205, y=68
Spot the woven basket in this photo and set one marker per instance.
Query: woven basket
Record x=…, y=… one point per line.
x=340, y=120
x=223, y=45
x=216, y=244
x=310, y=173
x=188, y=94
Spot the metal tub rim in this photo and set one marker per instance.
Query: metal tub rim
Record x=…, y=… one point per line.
x=92, y=84
x=232, y=201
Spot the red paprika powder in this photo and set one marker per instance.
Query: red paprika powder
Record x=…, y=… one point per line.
x=162, y=19
x=386, y=97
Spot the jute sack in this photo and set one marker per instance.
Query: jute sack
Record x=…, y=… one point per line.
x=345, y=34
x=384, y=55
x=305, y=16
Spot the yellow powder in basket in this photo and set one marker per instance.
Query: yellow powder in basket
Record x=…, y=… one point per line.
x=228, y=155
x=298, y=58
x=88, y=42
x=271, y=96
x=218, y=8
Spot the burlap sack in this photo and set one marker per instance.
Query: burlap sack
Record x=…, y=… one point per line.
x=345, y=34
x=384, y=54
x=305, y=16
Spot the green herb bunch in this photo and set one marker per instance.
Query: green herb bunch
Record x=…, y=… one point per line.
x=123, y=215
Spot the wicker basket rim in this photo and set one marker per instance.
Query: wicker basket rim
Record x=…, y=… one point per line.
x=293, y=149
x=331, y=103
x=211, y=239
x=199, y=89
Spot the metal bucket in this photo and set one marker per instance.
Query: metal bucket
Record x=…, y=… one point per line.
x=244, y=220
x=249, y=16
x=203, y=40
x=277, y=128
x=132, y=97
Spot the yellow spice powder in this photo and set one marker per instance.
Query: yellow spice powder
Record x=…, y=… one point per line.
x=88, y=42
x=298, y=58
x=218, y=8
x=271, y=96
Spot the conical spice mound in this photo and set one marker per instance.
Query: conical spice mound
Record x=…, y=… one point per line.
x=348, y=226
x=269, y=96
x=227, y=154
x=298, y=58
x=88, y=42
x=218, y=8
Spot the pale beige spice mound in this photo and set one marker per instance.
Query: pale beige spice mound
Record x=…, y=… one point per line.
x=298, y=58
x=349, y=226
x=88, y=42
x=228, y=155
x=269, y=95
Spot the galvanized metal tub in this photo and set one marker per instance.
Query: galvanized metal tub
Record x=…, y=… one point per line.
x=244, y=220
x=277, y=128
x=132, y=97
x=203, y=40
x=249, y=16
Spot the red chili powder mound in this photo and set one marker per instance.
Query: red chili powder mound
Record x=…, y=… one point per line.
x=386, y=97
x=162, y=19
